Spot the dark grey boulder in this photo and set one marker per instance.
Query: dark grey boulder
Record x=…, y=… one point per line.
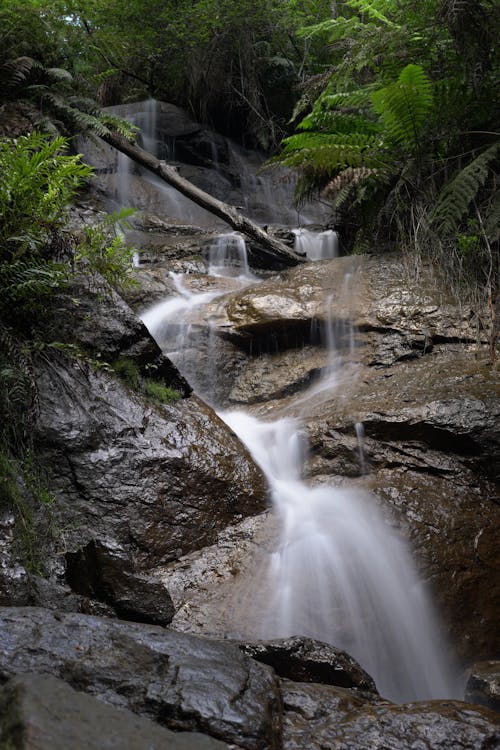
x=41, y=712
x=103, y=571
x=160, y=480
x=322, y=717
x=305, y=660
x=182, y=681
x=103, y=325
x=483, y=685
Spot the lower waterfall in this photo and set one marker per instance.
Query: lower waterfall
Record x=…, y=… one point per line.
x=338, y=573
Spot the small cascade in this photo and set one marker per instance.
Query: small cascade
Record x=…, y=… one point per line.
x=228, y=257
x=338, y=572
x=175, y=321
x=341, y=576
x=316, y=245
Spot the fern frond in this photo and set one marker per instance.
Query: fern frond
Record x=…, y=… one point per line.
x=404, y=106
x=347, y=178
x=334, y=28
x=58, y=75
x=328, y=152
x=492, y=220
x=375, y=9
x=15, y=72
x=455, y=198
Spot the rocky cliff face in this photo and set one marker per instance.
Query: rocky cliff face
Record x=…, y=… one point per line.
x=411, y=412
x=158, y=513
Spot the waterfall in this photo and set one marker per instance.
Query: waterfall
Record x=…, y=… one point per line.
x=228, y=257
x=338, y=573
x=316, y=245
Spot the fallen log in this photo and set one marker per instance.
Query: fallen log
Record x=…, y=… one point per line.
x=230, y=215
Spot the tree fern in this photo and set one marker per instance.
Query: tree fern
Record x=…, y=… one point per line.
x=404, y=106
x=378, y=10
x=457, y=195
x=329, y=151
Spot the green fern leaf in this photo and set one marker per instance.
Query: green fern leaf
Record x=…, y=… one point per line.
x=375, y=9
x=455, y=198
x=404, y=106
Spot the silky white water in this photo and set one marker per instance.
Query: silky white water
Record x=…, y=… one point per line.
x=339, y=572
x=340, y=575
x=316, y=245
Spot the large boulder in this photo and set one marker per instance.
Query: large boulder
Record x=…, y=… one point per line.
x=305, y=660
x=483, y=685
x=41, y=712
x=161, y=480
x=322, y=716
x=181, y=681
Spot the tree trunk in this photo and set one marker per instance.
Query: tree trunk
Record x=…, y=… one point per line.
x=171, y=176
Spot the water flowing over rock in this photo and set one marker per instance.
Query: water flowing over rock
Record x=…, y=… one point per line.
x=412, y=416
x=205, y=158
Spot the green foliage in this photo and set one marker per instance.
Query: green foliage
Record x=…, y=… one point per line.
x=103, y=253
x=38, y=182
x=21, y=491
x=160, y=393
x=457, y=195
x=401, y=137
x=404, y=106
x=37, y=257
x=128, y=371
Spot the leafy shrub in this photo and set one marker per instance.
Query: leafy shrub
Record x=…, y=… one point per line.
x=104, y=253
x=38, y=183
x=37, y=256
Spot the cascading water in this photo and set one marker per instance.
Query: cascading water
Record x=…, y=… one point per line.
x=316, y=245
x=228, y=257
x=341, y=576
x=338, y=573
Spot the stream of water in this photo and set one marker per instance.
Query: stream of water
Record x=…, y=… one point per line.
x=339, y=573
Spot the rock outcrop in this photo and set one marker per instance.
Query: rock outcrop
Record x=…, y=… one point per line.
x=409, y=409
x=181, y=681
x=41, y=712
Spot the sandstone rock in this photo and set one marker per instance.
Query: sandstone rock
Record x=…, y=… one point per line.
x=483, y=685
x=41, y=712
x=184, y=682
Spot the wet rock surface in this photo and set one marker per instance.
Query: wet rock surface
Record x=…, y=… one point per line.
x=105, y=572
x=322, y=717
x=304, y=660
x=483, y=685
x=102, y=324
x=183, y=682
x=41, y=712
x=160, y=480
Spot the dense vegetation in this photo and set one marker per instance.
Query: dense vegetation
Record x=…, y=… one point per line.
x=403, y=138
